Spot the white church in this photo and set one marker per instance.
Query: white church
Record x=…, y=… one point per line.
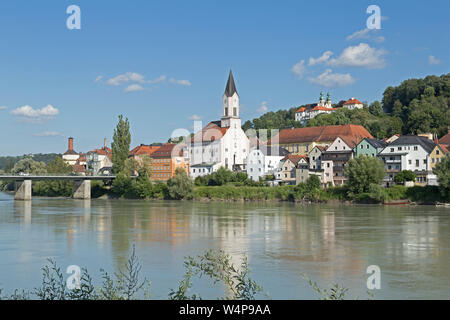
x=221, y=143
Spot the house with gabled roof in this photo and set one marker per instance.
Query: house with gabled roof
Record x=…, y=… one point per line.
x=369, y=147
x=352, y=104
x=445, y=139
x=263, y=161
x=408, y=152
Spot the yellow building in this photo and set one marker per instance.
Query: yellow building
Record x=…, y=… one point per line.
x=439, y=152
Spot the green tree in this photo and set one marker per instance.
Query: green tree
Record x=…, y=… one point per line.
x=361, y=172
x=122, y=185
x=222, y=176
x=144, y=186
x=405, y=175
x=180, y=186
x=30, y=166
x=376, y=108
x=58, y=165
x=121, y=144
x=313, y=183
x=442, y=170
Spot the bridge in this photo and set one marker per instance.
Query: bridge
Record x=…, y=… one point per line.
x=81, y=184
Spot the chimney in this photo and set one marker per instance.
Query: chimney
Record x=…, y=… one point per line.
x=104, y=143
x=70, y=144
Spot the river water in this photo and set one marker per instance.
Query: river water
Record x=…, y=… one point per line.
x=411, y=245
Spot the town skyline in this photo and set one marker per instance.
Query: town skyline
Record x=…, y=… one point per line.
x=165, y=75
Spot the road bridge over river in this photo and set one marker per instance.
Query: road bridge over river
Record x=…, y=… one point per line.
x=81, y=184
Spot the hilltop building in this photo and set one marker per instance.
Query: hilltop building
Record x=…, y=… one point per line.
x=220, y=143
x=324, y=106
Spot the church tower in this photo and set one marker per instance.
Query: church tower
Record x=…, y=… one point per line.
x=230, y=115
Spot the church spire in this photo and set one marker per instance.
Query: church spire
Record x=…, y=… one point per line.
x=230, y=88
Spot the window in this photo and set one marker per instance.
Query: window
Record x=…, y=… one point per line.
x=392, y=149
x=437, y=160
x=409, y=162
x=417, y=163
x=437, y=151
x=362, y=147
x=415, y=148
x=432, y=160
x=399, y=148
x=367, y=147
x=424, y=161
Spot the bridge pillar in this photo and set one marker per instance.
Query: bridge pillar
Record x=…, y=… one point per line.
x=82, y=189
x=22, y=190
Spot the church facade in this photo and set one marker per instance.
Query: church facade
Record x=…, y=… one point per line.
x=220, y=143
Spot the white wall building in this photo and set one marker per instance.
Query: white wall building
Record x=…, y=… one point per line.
x=303, y=114
x=407, y=153
x=222, y=143
x=70, y=156
x=353, y=104
x=264, y=161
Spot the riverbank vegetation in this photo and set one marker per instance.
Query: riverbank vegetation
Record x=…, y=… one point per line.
x=127, y=283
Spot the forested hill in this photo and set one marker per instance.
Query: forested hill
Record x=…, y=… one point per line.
x=415, y=106
x=8, y=162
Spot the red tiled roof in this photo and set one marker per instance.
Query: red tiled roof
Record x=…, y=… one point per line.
x=105, y=151
x=213, y=131
x=295, y=158
x=301, y=109
x=445, y=139
x=316, y=108
x=79, y=168
x=444, y=148
x=165, y=151
x=143, y=149
x=350, y=132
x=353, y=101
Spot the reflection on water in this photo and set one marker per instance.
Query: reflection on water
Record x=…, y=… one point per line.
x=329, y=243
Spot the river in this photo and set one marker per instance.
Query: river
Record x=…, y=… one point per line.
x=411, y=245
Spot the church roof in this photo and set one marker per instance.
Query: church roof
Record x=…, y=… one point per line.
x=213, y=131
x=230, y=88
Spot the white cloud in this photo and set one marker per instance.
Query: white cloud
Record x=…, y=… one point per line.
x=299, y=69
x=157, y=80
x=3, y=108
x=186, y=83
x=27, y=112
x=48, y=134
x=369, y=34
x=362, y=55
x=125, y=77
x=329, y=79
x=263, y=107
x=98, y=79
x=323, y=58
x=433, y=60
x=195, y=117
x=133, y=88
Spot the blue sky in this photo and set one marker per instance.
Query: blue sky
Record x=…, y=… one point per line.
x=174, y=58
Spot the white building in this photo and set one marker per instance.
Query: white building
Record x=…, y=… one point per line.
x=305, y=113
x=223, y=142
x=353, y=104
x=70, y=156
x=407, y=153
x=264, y=161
